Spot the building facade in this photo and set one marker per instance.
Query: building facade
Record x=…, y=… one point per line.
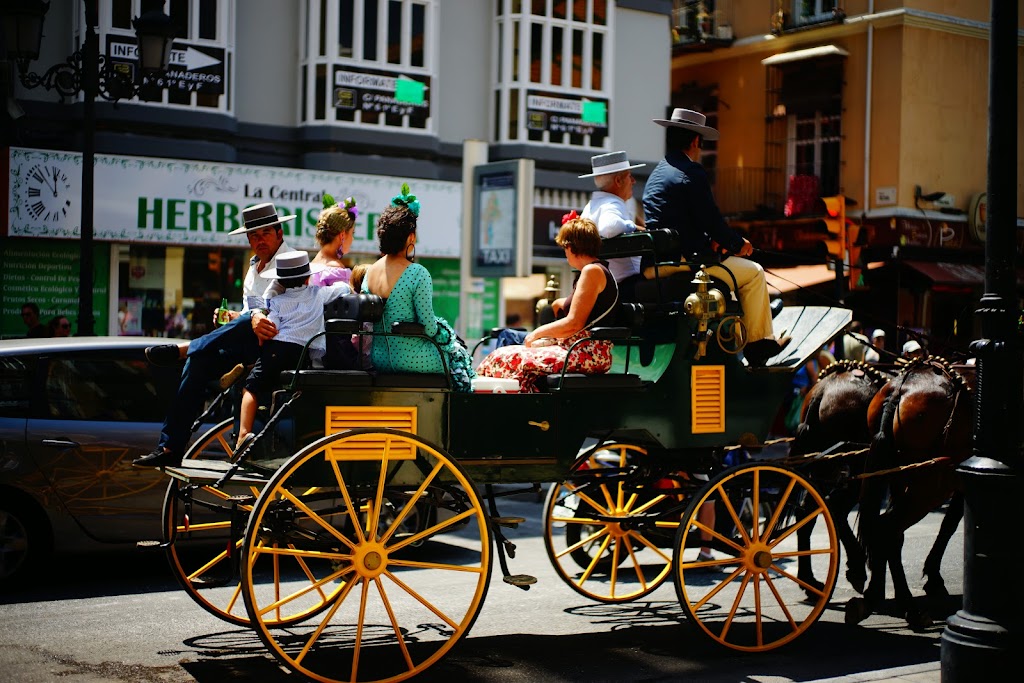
x=283, y=101
x=881, y=102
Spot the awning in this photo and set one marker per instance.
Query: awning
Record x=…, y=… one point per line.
x=782, y=280
x=950, y=273
x=808, y=53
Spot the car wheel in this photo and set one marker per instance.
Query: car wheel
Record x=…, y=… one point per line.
x=24, y=539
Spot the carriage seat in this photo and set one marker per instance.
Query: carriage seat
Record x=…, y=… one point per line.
x=572, y=381
x=316, y=378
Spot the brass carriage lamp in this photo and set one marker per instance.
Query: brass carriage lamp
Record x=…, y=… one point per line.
x=705, y=304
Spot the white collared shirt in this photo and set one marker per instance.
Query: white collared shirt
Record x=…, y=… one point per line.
x=255, y=288
x=298, y=313
x=613, y=217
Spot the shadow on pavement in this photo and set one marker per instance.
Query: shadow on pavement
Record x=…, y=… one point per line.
x=624, y=653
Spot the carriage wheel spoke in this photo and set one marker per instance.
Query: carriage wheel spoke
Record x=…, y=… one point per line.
x=352, y=517
x=423, y=601
x=410, y=504
x=732, y=513
x=792, y=529
x=735, y=606
x=782, y=603
x=603, y=531
x=780, y=505
x=593, y=562
x=715, y=591
x=436, y=529
x=394, y=623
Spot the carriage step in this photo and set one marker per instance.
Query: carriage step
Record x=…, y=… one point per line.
x=508, y=522
x=146, y=545
x=520, y=580
x=242, y=499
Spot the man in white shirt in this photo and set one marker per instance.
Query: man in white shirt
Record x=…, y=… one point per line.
x=611, y=209
x=238, y=341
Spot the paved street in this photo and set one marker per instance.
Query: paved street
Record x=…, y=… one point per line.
x=121, y=617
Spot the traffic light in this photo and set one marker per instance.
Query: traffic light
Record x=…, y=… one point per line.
x=835, y=225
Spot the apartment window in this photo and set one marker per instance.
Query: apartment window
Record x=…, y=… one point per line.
x=200, y=60
x=811, y=11
x=552, y=72
x=369, y=63
x=804, y=124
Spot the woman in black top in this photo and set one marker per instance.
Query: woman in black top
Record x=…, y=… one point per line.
x=593, y=301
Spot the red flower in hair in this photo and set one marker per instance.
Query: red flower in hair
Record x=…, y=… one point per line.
x=571, y=216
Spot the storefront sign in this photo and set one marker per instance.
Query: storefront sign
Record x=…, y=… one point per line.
x=162, y=201
x=191, y=67
x=373, y=90
x=46, y=272
x=558, y=113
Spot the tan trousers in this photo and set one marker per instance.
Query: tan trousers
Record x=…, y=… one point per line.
x=753, y=294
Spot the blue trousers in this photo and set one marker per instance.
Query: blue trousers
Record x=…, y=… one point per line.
x=209, y=357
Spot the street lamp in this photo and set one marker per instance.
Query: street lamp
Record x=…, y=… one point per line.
x=87, y=72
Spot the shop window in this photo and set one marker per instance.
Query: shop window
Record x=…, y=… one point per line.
x=380, y=73
x=550, y=80
x=202, y=30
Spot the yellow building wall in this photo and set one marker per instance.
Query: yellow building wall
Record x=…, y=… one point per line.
x=929, y=98
x=944, y=100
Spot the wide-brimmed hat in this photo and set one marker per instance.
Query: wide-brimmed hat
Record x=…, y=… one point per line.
x=612, y=162
x=291, y=264
x=690, y=120
x=259, y=216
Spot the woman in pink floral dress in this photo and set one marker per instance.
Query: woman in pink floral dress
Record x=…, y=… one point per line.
x=593, y=301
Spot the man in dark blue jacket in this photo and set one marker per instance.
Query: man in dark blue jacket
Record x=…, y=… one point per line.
x=678, y=196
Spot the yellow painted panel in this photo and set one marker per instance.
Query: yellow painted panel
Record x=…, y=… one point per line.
x=707, y=399
x=370, y=446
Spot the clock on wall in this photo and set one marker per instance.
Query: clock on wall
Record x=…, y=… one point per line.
x=49, y=193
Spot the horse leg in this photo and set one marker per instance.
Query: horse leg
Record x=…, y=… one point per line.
x=804, y=571
x=856, y=560
x=934, y=586
x=917, y=619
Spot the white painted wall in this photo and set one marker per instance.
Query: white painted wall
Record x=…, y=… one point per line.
x=642, y=86
x=266, y=72
x=463, y=95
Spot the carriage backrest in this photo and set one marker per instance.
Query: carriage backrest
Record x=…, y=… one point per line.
x=358, y=307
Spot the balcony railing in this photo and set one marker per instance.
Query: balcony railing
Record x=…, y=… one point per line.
x=798, y=15
x=700, y=25
x=750, y=192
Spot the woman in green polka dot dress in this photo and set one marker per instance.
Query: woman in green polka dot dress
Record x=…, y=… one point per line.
x=409, y=291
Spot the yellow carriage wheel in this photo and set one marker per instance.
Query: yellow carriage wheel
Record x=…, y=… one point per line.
x=203, y=557
x=356, y=509
x=591, y=531
x=748, y=597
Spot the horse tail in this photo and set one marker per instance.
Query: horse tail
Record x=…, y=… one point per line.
x=881, y=454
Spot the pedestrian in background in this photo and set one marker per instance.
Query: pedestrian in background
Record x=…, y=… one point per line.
x=59, y=326
x=30, y=316
x=854, y=342
x=878, y=342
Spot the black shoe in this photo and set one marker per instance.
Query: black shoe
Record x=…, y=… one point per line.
x=158, y=458
x=164, y=354
x=758, y=353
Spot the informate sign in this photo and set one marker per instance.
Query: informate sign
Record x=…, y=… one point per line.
x=558, y=113
x=191, y=67
x=165, y=201
x=385, y=92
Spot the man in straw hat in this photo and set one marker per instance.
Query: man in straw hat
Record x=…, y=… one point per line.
x=612, y=174
x=229, y=347
x=678, y=196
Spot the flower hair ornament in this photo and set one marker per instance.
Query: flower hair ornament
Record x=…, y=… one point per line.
x=571, y=216
x=407, y=200
x=349, y=204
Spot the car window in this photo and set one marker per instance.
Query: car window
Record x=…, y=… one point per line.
x=15, y=374
x=108, y=389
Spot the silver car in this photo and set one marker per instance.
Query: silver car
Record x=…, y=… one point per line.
x=74, y=413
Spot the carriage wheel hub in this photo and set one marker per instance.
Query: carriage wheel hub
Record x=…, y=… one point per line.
x=370, y=560
x=762, y=559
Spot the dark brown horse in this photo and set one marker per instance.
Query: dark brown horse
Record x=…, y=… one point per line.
x=835, y=411
x=923, y=414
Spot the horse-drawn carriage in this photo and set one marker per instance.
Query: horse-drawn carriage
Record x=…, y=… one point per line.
x=315, y=535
